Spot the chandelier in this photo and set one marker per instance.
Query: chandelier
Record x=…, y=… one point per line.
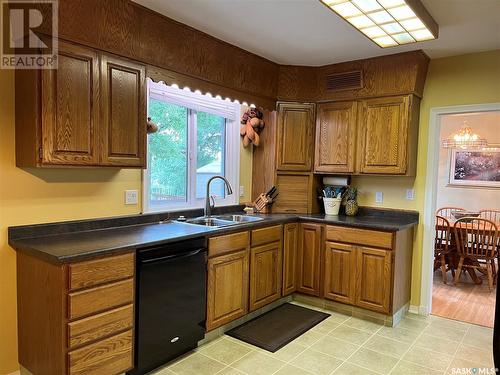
x=464, y=139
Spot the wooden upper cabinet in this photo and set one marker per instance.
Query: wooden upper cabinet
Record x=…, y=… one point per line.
x=91, y=111
x=295, y=136
x=123, y=112
x=336, y=137
x=308, y=260
x=384, y=128
x=340, y=267
x=373, y=289
x=70, y=103
x=265, y=274
x=290, y=245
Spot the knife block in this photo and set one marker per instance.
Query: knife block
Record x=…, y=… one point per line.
x=263, y=204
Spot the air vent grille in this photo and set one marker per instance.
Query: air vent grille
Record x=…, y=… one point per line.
x=344, y=81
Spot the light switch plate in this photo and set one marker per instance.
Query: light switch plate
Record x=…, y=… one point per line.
x=410, y=194
x=242, y=190
x=131, y=197
x=379, y=197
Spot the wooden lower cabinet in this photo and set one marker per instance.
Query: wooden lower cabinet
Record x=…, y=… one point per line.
x=290, y=246
x=339, y=274
x=227, y=290
x=359, y=276
x=265, y=274
x=309, y=259
x=373, y=290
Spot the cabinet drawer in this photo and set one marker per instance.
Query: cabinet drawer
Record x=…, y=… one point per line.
x=99, y=299
x=99, y=326
x=109, y=356
x=228, y=243
x=266, y=235
x=359, y=236
x=100, y=271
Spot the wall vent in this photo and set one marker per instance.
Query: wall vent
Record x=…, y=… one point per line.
x=344, y=81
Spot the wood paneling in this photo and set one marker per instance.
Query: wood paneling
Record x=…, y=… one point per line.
x=336, y=137
x=227, y=290
x=100, y=271
x=264, y=157
x=100, y=326
x=295, y=137
x=99, y=299
x=126, y=28
x=109, y=356
x=41, y=311
x=340, y=267
x=383, y=135
x=265, y=274
x=228, y=243
x=359, y=236
x=266, y=235
x=373, y=279
x=123, y=112
x=309, y=259
x=290, y=246
x=70, y=107
x=397, y=74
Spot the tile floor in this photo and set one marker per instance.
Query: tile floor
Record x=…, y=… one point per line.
x=344, y=345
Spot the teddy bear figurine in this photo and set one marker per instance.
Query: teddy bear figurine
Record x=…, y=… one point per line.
x=252, y=124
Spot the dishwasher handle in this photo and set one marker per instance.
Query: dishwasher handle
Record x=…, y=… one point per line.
x=173, y=256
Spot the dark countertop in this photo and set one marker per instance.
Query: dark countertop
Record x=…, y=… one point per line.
x=63, y=242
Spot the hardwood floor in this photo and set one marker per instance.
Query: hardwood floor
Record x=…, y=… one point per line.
x=466, y=301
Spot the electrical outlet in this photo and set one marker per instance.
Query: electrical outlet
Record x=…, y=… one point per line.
x=242, y=190
x=410, y=194
x=379, y=197
x=131, y=197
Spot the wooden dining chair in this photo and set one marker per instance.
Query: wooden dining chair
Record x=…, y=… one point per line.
x=492, y=215
x=443, y=245
x=446, y=211
x=477, y=240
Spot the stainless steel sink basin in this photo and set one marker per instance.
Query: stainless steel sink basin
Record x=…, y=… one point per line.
x=210, y=222
x=239, y=218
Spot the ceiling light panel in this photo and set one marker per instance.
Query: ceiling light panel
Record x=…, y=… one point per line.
x=388, y=23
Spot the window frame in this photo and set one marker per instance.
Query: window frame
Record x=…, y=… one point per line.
x=224, y=108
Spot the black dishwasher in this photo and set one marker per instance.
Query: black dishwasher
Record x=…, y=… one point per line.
x=170, y=302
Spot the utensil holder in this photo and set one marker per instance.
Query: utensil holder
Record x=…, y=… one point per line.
x=332, y=205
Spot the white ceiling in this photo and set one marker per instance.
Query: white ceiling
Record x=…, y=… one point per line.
x=304, y=32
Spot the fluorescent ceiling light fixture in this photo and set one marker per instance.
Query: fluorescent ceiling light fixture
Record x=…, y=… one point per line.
x=387, y=23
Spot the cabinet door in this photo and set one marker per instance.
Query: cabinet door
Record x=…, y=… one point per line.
x=373, y=277
x=294, y=193
x=290, y=245
x=265, y=274
x=295, y=136
x=70, y=103
x=335, y=137
x=308, y=260
x=340, y=266
x=123, y=112
x=227, y=290
x=384, y=127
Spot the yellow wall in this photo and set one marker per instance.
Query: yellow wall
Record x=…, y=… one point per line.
x=457, y=80
x=39, y=196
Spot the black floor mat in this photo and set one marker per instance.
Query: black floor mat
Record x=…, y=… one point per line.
x=276, y=328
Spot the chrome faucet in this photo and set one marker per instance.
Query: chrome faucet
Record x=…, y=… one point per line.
x=208, y=206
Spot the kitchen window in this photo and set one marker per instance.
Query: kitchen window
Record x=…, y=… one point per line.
x=198, y=138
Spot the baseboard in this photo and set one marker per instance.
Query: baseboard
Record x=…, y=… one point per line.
x=419, y=310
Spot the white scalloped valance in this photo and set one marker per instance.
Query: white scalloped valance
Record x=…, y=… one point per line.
x=195, y=100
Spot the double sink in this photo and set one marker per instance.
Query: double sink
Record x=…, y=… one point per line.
x=222, y=220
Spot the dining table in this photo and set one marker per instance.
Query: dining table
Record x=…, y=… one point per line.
x=454, y=256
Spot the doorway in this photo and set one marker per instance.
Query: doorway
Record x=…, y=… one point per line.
x=456, y=179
